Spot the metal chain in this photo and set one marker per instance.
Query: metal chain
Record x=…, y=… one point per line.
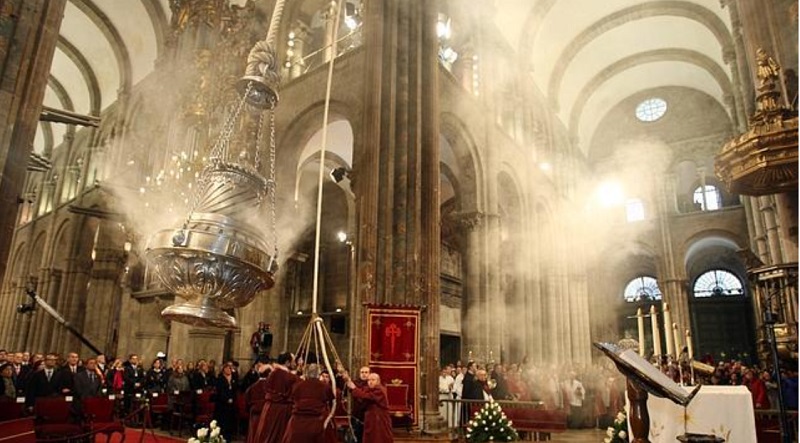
x=272, y=182
x=259, y=138
x=219, y=149
x=221, y=145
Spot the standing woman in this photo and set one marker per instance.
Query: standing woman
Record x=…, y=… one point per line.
x=155, y=380
x=225, y=399
x=9, y=391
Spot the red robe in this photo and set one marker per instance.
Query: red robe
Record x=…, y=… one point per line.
x=312, y=399
x=377, y=424
x=255, y=397
x=759, y=392
x=277, y=407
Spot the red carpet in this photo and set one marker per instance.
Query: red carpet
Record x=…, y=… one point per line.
x=133, y=435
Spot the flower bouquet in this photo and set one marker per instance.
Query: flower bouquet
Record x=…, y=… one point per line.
x=490, y=424
x=618, y=433
x=211, y=434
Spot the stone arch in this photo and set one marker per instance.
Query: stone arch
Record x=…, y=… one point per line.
x=88, y=74
x=158, y=18
x=472, y=179
x=684, y=9
x=667, y=54
x=709, y=237
x=110, y=32
x=720, y=324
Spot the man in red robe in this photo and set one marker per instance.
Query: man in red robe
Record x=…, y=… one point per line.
x=312, y=399
x=377, y=424
x=359, y=406
x=255, y=397
x=278, y=401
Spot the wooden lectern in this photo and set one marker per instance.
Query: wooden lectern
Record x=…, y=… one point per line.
x=643, y=379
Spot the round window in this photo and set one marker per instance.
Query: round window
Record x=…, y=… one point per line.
x=651, y=109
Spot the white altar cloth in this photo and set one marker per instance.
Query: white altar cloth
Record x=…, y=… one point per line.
x=725, y=411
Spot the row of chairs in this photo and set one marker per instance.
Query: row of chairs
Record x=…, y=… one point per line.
x=61, y=417
x=55, y=419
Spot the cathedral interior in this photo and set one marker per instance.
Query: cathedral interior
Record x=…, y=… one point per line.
x=531, y=173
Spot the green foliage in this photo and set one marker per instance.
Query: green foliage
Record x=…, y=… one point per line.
x=490, y=424
x=618, y=433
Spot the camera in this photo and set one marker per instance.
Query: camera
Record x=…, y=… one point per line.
x=25, y=308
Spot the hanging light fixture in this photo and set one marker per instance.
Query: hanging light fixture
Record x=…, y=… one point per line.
x=217, y=260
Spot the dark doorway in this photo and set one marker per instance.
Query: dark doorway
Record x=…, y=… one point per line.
x=449, y=349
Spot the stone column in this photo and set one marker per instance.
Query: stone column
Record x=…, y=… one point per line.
x=786, y=206
x=474, y=330
x=396, y=174
x=26, y=52
x=767, y=208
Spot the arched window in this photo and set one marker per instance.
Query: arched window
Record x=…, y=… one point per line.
x=717, y=283
x=634, y=210
x=642, y=289
x=706, y=198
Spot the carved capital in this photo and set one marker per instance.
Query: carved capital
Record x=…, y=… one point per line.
x=470, y=221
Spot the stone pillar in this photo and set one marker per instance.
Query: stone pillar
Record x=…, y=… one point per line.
x=26, y=52
x=474, y=330
x=767, y=208
x=742, y=81
x=396, y=175
x=786, y=206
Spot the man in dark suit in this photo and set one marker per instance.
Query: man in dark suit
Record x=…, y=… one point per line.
x=65, y=377
x=133, y=379
x=43, y=382
x=87, y=382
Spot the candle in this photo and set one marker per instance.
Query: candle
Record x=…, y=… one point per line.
x=677, y=333
x=668, y=330
x=656, y=331
x=640, y=325
x=689, y=344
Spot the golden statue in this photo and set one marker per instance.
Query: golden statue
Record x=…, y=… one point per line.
x=767, y=68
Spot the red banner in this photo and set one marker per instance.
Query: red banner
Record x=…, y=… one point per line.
x=394, y=354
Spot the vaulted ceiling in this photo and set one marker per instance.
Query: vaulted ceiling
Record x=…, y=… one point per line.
x=586, y=56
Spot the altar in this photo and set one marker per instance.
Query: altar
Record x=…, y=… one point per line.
x=725, y=411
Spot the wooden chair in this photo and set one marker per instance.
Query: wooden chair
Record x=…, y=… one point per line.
x=399, y=406
x=11, y=410
x=182, y=411
x=100, y=419
x=242, y=416
x=159, y=407
x=54, y=419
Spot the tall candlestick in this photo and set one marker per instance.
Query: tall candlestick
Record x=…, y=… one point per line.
x=640, y=325
x=668, y=330
x=656, y=331
x=689, y=344
x=676, y=332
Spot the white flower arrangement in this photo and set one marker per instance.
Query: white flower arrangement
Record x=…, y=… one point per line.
x=619, y=432
x=211, y=434
x=490, y=424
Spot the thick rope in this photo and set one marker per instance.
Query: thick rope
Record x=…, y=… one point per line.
x=275, y=23
x=323, y=148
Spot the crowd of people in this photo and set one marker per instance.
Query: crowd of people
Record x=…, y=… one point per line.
x=591, y=395
x=290, y=400
x=287, y=400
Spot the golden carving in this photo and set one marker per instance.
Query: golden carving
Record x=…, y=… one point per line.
x=763, y=160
